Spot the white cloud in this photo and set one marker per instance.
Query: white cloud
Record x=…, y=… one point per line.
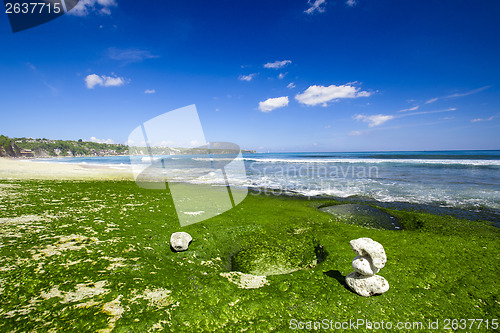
x=315, y=7
x=282, y=75
x=375, y=120
x=483, y=119
x=435, y=99
x=108, y=141
x=129, y=55
x=247, y=78
x=432, y=100
x=355, y=133
x=291, y=85
x=379, y=119
x=428, y=112
x=410, y=109
x=94, y=80
x=351, y=3
x=315, y=95
x=105, y=11
x=85, y=7
x=467, y=93
x=277, y=64
x=273, y=103
x=106, y=3
x=149, y=91
x=113, y=81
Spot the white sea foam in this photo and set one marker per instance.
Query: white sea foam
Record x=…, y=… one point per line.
x=215, y=158
x=377, y=161
x=445, y=182
x=149, y=159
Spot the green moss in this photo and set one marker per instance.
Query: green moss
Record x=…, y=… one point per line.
x=273, y=260
x=438, y=267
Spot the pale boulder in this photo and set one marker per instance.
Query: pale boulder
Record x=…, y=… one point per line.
x=370, y=260
x=363, y=266
x=179, y=241
x=367, y=247
x=367, y=285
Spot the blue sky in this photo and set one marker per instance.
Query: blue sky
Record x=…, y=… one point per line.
x=322, y=75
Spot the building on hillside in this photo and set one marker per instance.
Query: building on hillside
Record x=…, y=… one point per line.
x=27, y=153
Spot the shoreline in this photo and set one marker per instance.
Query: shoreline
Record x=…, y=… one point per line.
x=14, y=168
x=487, y=214
x=19, y=169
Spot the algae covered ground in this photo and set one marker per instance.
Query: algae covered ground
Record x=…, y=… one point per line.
x=94, y=256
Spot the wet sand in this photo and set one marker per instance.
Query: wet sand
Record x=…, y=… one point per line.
x=29, y=169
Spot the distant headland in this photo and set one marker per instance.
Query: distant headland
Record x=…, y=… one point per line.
x=33, y=148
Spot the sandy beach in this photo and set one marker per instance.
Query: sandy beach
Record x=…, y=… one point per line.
x=29, y=169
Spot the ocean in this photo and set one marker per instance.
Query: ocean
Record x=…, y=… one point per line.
x=467, y=180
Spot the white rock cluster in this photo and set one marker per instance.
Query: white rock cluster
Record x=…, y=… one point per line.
x=180, y=241
x=370, y=260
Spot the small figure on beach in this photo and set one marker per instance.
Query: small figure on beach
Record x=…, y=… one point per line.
x=370, y=260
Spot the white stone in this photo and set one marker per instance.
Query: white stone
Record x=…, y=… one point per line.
x=367, y=286
x=367, y=247
x=180, y=241
x=363, y=266
x=370, y=260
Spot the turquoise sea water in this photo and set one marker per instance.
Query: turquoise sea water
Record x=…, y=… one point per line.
x=461, y=179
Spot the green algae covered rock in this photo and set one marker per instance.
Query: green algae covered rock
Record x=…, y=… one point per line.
x=279, y=258
x=363, y=215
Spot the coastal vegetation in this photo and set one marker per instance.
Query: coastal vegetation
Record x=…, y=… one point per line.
x=29, y=147
x=94, y=256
